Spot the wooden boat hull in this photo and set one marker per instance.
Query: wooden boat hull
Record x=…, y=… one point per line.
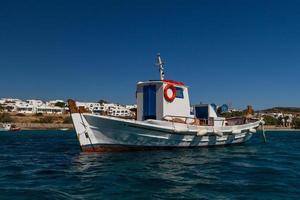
x=105, y=134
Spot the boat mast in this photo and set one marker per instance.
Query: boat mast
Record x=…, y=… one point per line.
x=160, y=64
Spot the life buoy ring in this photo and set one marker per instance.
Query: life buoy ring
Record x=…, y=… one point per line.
x=167, y=97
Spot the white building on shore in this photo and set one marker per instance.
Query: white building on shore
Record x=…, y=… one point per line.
x=111, y=109
x=31, y=106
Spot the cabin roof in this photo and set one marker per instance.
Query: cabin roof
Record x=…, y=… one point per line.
x=163, y=81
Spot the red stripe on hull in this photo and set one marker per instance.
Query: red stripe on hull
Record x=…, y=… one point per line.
x=120, y=148
x=104, y=149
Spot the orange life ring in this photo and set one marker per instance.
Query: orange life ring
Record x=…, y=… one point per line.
x=171, y=98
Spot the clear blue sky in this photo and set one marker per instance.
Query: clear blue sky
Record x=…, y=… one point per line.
x=244, y=52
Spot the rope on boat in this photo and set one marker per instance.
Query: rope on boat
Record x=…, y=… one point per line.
x=263, y=132
x=86, y=132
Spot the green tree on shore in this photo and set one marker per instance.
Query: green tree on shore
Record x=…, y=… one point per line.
x=286, y=118
x=296, y=123
x=280, y=121
x=269, y=120
x=101, y=101
x=60, y=104
x=233, y=114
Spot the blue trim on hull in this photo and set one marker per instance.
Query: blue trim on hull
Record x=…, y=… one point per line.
x=119, y=148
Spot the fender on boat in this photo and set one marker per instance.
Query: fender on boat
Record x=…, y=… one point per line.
x=181, y=130
x=252, y=130
x=218, y=133
x=237, y=131
x=202, y=132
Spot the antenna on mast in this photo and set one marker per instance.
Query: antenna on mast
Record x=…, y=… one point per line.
x=160, y=64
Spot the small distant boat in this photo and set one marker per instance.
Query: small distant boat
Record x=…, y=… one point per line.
x=14, y=128
x=64, y=129
x=5, y=127
x=9, y=127
x=164, y=120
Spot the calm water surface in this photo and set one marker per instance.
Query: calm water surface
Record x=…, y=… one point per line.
x=49, y=165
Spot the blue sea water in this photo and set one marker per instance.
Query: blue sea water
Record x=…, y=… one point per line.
x=49, y=165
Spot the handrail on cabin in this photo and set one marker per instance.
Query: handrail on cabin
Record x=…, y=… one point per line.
x=179, y=116
x=185, y=117
x=193, y=118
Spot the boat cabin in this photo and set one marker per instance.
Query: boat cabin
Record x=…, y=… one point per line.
x=162, y=98
x=208, y=116
x=169, y=100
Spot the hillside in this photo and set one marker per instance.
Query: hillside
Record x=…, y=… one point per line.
x=292, y=110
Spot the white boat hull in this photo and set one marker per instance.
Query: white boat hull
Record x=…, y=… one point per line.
x=101, y=133
x=5, y=127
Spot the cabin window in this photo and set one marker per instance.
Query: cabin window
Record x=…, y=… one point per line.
x=179, y=93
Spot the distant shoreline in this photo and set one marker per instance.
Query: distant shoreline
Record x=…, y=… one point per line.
x=41, y=121
x=64, y=121
x=276, y=128
x=54, y=126
x=43, y=126
x=288, y=130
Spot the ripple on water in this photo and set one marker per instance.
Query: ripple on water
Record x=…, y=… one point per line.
x=49, y=165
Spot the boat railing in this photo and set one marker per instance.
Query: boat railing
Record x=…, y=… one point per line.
x=184, y=120
x=178, y=117
x=239, y=120
x=206, y=122
x=199, y=121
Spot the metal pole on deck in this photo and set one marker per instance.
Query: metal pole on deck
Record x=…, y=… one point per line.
x=160, y=64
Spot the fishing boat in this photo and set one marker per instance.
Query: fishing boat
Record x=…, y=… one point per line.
x=5, y=126
x=163, y=120
x=14, y=128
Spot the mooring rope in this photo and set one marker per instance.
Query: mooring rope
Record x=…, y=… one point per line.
x=86, y=132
